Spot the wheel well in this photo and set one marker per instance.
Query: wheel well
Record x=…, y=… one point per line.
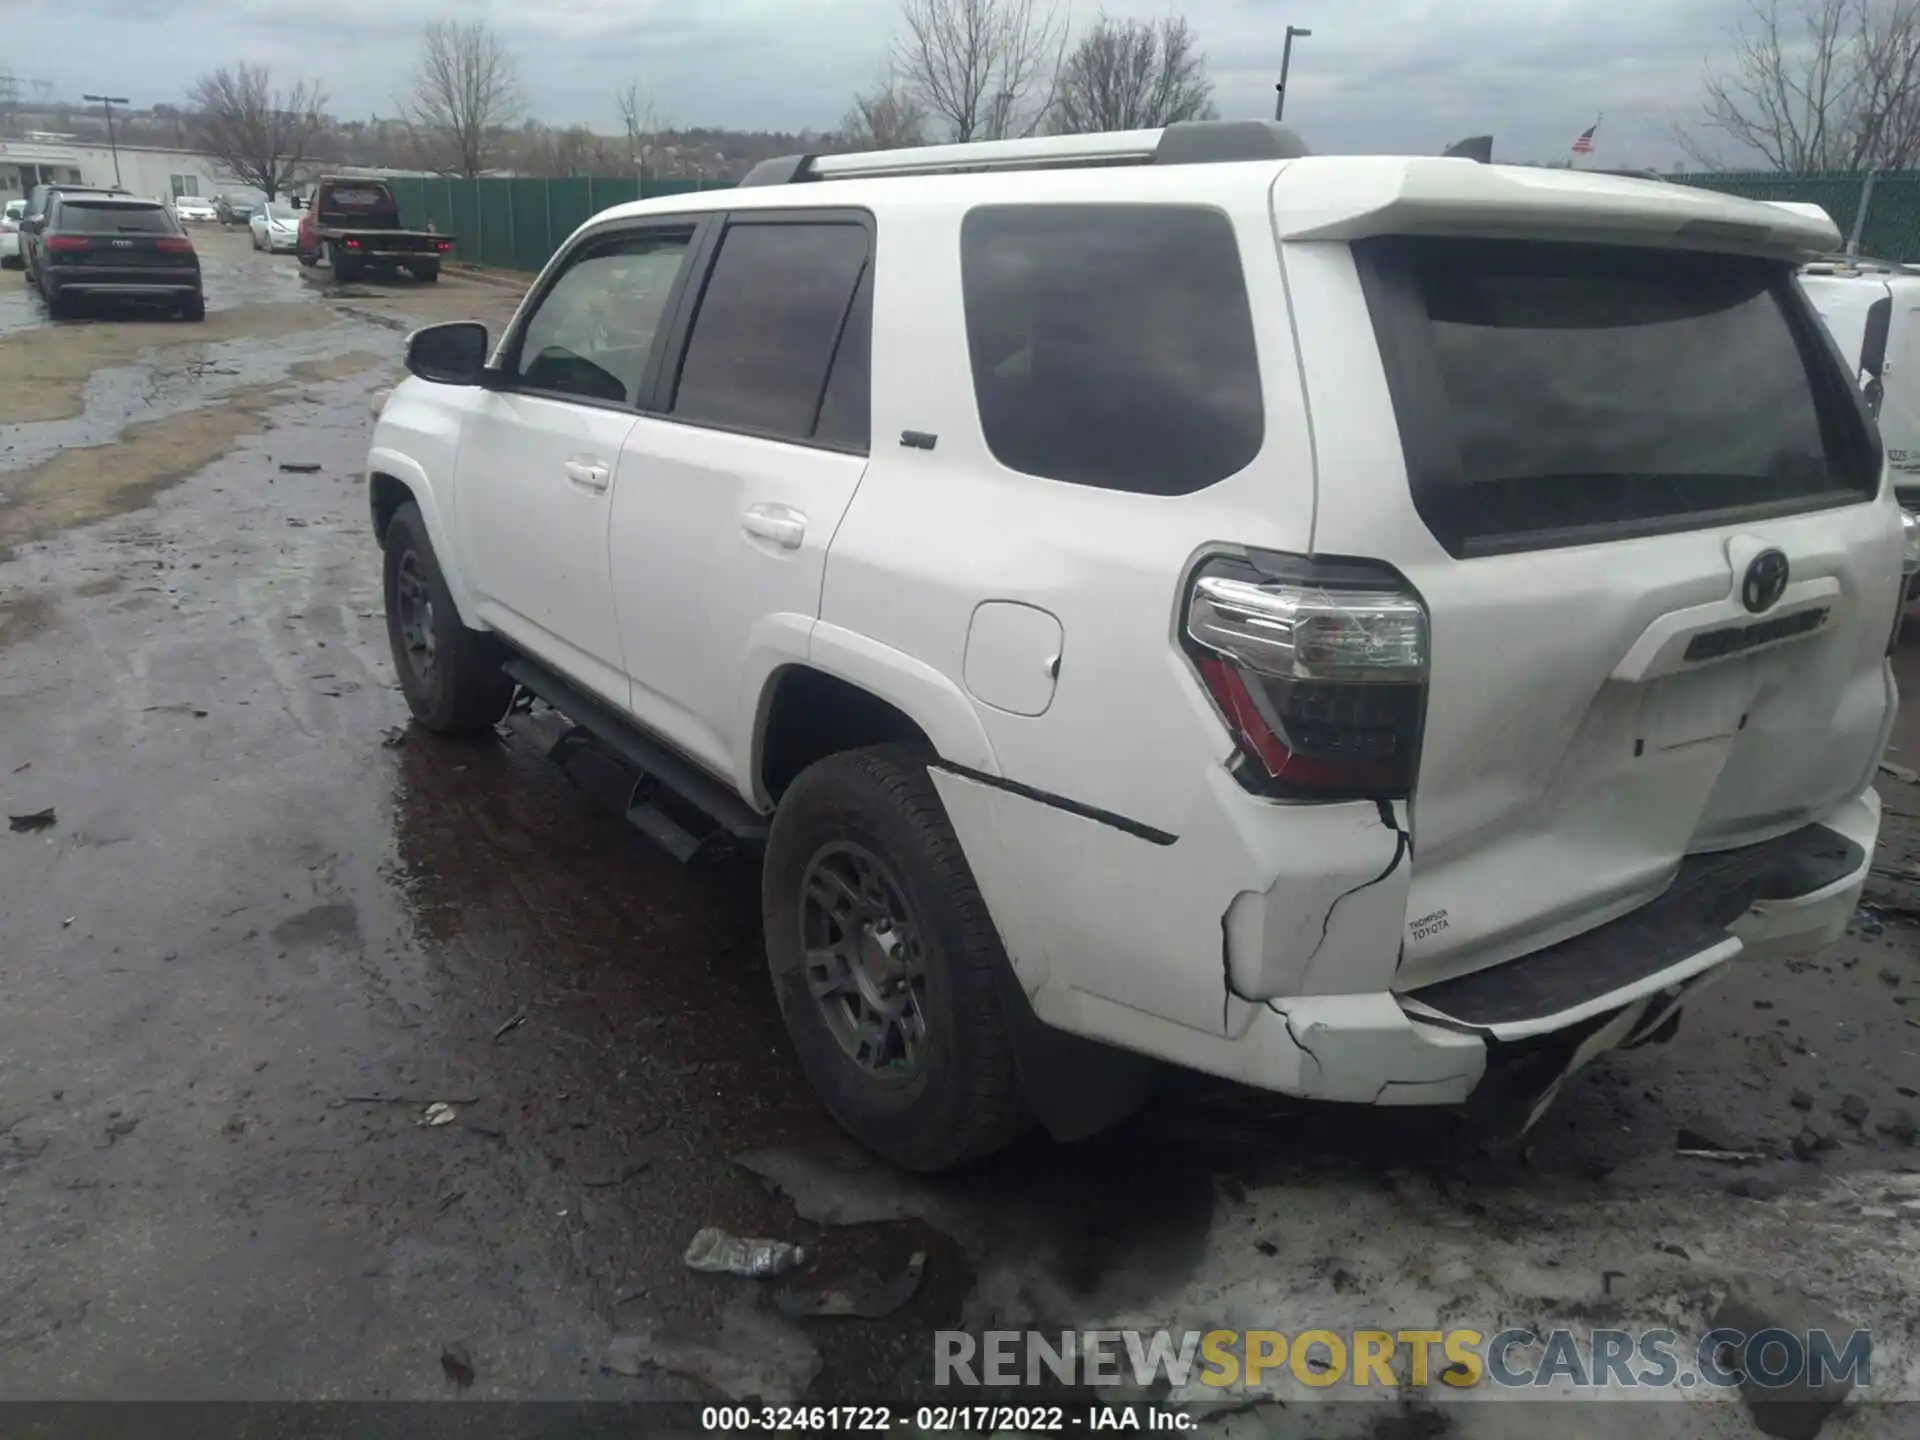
x=812, y=715
x=388, y=495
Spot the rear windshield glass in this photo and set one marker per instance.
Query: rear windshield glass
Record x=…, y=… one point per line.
x=82, y=219
x=1112, y=345
x=1547, y=392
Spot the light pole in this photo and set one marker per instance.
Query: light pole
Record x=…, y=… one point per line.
x=1286, y=62
x=107, y=102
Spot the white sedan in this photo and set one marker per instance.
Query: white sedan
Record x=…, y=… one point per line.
x=275, y=227
x=192, y=207
x=10, y=217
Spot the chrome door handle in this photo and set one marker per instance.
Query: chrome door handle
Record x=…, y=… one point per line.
x=782, y=524
x=590, y=473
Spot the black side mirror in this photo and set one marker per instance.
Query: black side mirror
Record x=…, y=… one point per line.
x=451, y=354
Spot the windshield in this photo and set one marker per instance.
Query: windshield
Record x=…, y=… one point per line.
x=83, y=219
x=1573, y=387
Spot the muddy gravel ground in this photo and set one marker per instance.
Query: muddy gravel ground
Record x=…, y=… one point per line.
x=270, y=925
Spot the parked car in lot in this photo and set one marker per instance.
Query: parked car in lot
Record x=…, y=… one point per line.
x=39, y=199
x=275, y=227
x=114, y=247
x=233, y=210
x=10, y=216
x=353, y=226
x=1380, y=630
x=191, y=209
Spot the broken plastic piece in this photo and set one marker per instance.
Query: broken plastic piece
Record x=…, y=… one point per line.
x=299, y=467
x=716, y=1252
x=38, y=820
x=864, y=1298
x=438, y=1113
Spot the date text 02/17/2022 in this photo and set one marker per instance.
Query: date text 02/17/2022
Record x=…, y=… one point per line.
x=929, y=1419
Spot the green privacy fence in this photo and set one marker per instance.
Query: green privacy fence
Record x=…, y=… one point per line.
x=515, y=224
x=1892, y=231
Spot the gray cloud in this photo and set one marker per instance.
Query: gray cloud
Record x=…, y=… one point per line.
x=1406, y=75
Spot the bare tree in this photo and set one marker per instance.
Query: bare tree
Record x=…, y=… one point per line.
x=884, y=118
x=261, y=134
x=1132, y=75
x=1816, y=85
x=42, y=91
x=640, y=117
x=984, y=69
x=465, y=88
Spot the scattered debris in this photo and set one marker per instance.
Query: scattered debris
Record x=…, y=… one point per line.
x=1902, y=1127
x=1800, y=1100
x=620, y=1179
x=23, y=767
x=401, y=1099
x=1889, y=976
x=449, y=1200
x=1898, y=772
x=305, y=467
x=1810, y=1143
x=715, y=1252
x=513, y=1022
x=393, y=739
x=439, y=1113
x=1796, y=1409
x=1725, y=1157
x=866, y=1298
x=1756, y=1187
x=1266, y=1247
x=1854, y=1110
x=1698, y=1133
x=37, y=820
x=457, y=1362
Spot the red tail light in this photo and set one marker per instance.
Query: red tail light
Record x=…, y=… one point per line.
x=68, y=244
x=443, y=246
x=352, y=244
x=1319, y=669
x=173, y=245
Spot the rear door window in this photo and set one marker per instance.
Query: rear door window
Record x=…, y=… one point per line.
x=1562, y=394
x=1112, y=345
x=773, y=323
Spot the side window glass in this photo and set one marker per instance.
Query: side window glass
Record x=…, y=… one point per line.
x=844, y=410
x=768, y=326
x=594, y=331
x=1112, y=345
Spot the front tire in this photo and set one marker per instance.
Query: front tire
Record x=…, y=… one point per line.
x=887, y=969
x=450, y=675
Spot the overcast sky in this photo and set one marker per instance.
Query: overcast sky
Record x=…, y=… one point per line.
x=1407, y=75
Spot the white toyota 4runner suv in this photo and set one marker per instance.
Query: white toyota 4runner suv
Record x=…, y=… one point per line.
x=1380, y=630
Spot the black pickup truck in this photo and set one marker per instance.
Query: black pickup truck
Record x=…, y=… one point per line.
x=353, y=225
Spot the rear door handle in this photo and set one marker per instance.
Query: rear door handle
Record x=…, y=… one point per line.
x=782, y=524
x=587, y=472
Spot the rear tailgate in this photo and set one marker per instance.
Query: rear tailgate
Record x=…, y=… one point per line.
x=117, y=236
x=1637, y=492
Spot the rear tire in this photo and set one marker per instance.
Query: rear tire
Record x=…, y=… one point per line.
x=426, y=274
x=344, y=270
x=450, y=675
x=194, y=309
x=59, y=307
x=933, y=1084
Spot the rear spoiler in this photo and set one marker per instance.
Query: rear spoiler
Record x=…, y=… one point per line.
x=1353, y=196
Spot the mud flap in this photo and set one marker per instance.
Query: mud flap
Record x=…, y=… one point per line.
x=1075, y=1087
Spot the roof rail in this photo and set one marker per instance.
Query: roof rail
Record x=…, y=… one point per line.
x=1186, y=142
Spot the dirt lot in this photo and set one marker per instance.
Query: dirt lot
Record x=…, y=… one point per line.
x=270, y=925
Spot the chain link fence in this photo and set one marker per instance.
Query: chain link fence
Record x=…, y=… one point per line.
x=1892, y=231
x=515, y=224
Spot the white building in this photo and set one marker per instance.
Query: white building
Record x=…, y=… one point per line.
x=143, y=169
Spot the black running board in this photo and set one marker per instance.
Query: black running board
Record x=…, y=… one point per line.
x=660, y=769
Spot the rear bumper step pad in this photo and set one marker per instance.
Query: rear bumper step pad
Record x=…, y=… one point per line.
x=1708, y=894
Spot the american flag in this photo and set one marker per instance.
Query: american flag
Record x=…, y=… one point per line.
x=1584, y=145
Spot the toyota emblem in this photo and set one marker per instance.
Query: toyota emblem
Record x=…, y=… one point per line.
x=1765, y=581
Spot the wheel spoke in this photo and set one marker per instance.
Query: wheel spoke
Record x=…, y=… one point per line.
x=828, y=889
x=828, y=974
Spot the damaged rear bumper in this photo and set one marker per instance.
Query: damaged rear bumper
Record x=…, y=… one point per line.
x=1543, y=1014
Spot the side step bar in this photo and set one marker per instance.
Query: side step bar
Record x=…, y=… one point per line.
x=660, y=769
